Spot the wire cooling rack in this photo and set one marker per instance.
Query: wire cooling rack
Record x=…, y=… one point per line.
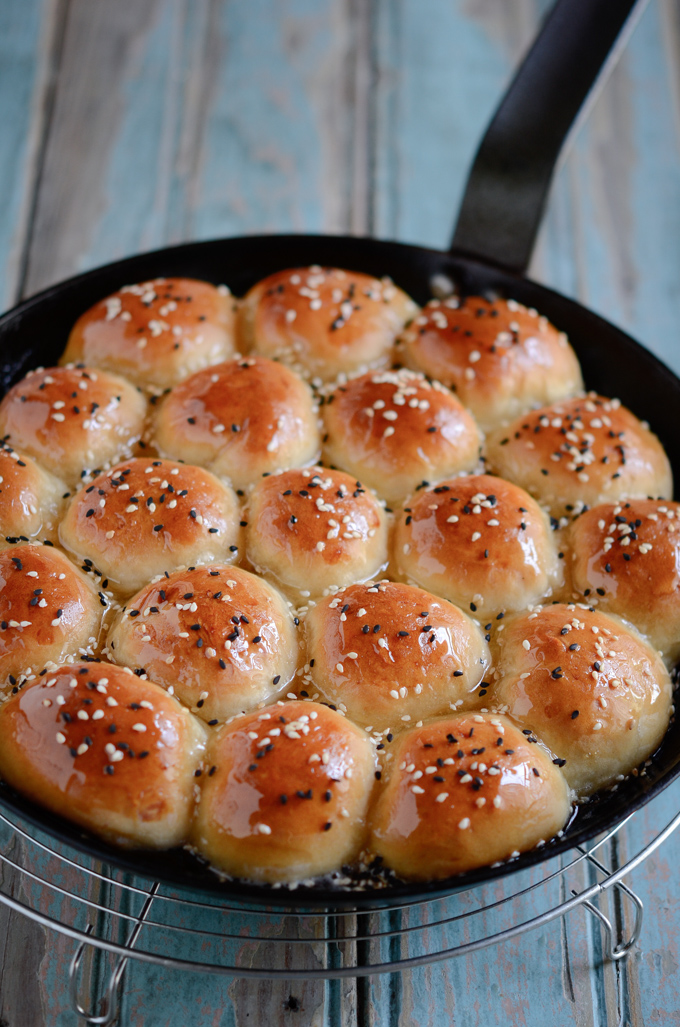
x=104, y=909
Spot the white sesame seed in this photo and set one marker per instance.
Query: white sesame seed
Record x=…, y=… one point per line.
x=526, y=644
x=139, y=727
x=442, y=797
x=464, y=823
x=61, y=739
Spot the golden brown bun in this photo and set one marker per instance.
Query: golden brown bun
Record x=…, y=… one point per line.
x=220, y=638
x=480, y=542
x=501, y=358
x=72, y=419
x=324, y=321
x=297, y=530
x=425, y=654
x=146, y=517
x=48, y=610
x=106, y=750
x=156, y=333
x=502, y=796
x=393, y=429
x=581, y=452
x=588, y=685
x=287, y=797
x=242, y=419
x=626, y=559
x=31, y=499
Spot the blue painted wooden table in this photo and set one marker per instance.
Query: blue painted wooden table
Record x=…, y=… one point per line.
x=129, y=124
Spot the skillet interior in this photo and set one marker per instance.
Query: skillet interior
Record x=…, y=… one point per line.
x=35, y=333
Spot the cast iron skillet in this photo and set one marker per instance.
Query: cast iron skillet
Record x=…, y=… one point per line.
x=497, y=225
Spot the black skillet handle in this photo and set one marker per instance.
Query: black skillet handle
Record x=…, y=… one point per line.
x=508, y=185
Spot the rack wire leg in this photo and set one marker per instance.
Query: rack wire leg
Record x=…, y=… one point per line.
x=617, y=946
x=109, y=1005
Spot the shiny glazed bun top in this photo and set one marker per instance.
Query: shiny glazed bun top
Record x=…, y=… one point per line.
x=464, y=791
x=589, y=686
x=49, y=611
x=146, y=517
x=31, y=499
x=104, y=749
x=242, y=418
x=479, y=541
x=157, y=332
x=314, y=529
x=625, y=558
x=324, y=321
x=580, y=452
x=286, y=794
x=389, y=654
x=394, y=428
x=72, y=419
x=500, y=357
x=222, y=639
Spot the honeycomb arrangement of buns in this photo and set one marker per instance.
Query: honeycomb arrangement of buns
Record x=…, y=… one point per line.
x=315, y=579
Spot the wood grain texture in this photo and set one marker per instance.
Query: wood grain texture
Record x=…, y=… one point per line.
x=128, y=125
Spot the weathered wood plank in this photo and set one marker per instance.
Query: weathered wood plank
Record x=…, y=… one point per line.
x=29, y=43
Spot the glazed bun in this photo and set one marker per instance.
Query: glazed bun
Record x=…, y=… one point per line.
x=314, y=530
x=49, y=611
x=463, y=792
x=393, y=429
x=324, y=321
x=243, y=418
x=146, y=517
x=156, y=333
x=106, y=750
x=626, y=559
x=589, y=686
x=480, y=542
x=31, y=499
x=579, y=453
x=388, y=654
x=72, y=419
x=286, y=794
x=218, y=637
x=500, y=357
